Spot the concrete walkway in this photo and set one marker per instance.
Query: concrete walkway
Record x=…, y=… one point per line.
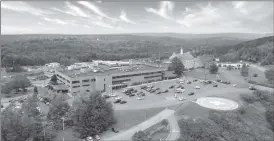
x=127, y=135
x=175, y=130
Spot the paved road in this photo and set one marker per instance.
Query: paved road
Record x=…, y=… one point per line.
x=175, y=130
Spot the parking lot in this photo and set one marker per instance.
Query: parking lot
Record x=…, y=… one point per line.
x=165, y=99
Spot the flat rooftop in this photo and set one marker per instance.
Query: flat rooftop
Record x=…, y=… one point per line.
x=105, y=70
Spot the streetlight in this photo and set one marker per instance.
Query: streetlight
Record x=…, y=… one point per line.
x=44, y=130
x=63, y=127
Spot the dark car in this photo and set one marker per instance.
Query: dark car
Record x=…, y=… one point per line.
x=209, y=82
x=131, y=95
x=143, y=87
x=157, y=89
x=123, y=102
x=159, y=92
x=195, y=80
x=172, y=86
x=189, y=82
x=127, y=93
x=215, y=85
x=117, y=101
x=134, y=91
x=106, y=96
x=165, y=91
x=218, y=80
x=192, y=93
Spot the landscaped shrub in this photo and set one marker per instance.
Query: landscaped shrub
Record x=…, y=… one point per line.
x=140, y=136
x=255, y=75
x=249, y=98
x=261, y=84
x=164, y=122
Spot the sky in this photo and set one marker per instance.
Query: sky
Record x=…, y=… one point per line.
x=99, y=17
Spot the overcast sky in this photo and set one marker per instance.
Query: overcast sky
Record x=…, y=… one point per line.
x=97, y=17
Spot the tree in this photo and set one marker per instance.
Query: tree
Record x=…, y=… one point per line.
x=54, y=79
x=244, y=70
x=57, y=112
x=22, y=82
x=177, y=66
x=93, y=116
x=269, y=74
x=213, y=68
x=35, y=91
x=14, y=127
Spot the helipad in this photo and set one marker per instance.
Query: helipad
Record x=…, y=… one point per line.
x=217, y=103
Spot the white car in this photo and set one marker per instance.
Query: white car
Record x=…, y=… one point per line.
x=197, y=87
x=181, y=99
x=112, y=95
x=234, y=85
x=118, y=98
x=140, y=98
x=179, y=90
x=181, y=82
x=97, y=137
x=89, y=139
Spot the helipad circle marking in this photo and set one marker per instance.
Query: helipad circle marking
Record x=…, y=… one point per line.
x=217, y=103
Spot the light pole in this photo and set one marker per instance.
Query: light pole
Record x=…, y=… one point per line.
x=63, y=127
x=44, y=130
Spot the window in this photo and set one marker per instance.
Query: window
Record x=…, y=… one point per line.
x=76, y=86
x=93, y=80
x=153, y=76
x=87, y=80
x=85, y=85
x=73, y=82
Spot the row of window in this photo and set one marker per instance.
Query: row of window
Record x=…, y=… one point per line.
x=139, y=74
x=86, y=80
x=120, y=81
x=153, y=76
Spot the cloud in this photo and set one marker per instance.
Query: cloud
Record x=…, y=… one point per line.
x=165, y=9
x=39, y=23
x=73, y=10
x=55, y=21
x=240, y=5
x=124, y=18
x=23, y=7
x=203, y=16
x=102, y=24
x=95, y=9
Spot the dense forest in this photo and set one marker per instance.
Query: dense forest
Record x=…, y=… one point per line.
x=256, y=51
x=67, y=49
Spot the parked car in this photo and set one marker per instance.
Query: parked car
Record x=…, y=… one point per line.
x=192, y=93
x=117, y=101
x=189, y=82
x=215, y=85
x=141, y=94
x=157, y=89
x=118, y=97
x=123, y=102
x=172, y=86
x=252, y=88
x=131, y=95
x=218, y=80
x=195, y=80
x=165, y=91
x=159, y=92
x=197, y=87
x=234, y=85
x=97, y=137
x=140, y=98
x=181, y=99
x=106, y=96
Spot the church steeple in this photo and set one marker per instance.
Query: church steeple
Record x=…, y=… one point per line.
x=182, y=51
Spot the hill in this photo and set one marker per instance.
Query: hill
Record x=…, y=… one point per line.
x=66, y=49
x=257, y=51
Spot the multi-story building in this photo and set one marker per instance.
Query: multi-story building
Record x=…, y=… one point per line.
x=106, y=78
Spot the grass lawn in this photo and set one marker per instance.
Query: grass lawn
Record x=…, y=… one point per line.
x=200, y=74
x=246, y=123
x=260, y=78
x=127, y=119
